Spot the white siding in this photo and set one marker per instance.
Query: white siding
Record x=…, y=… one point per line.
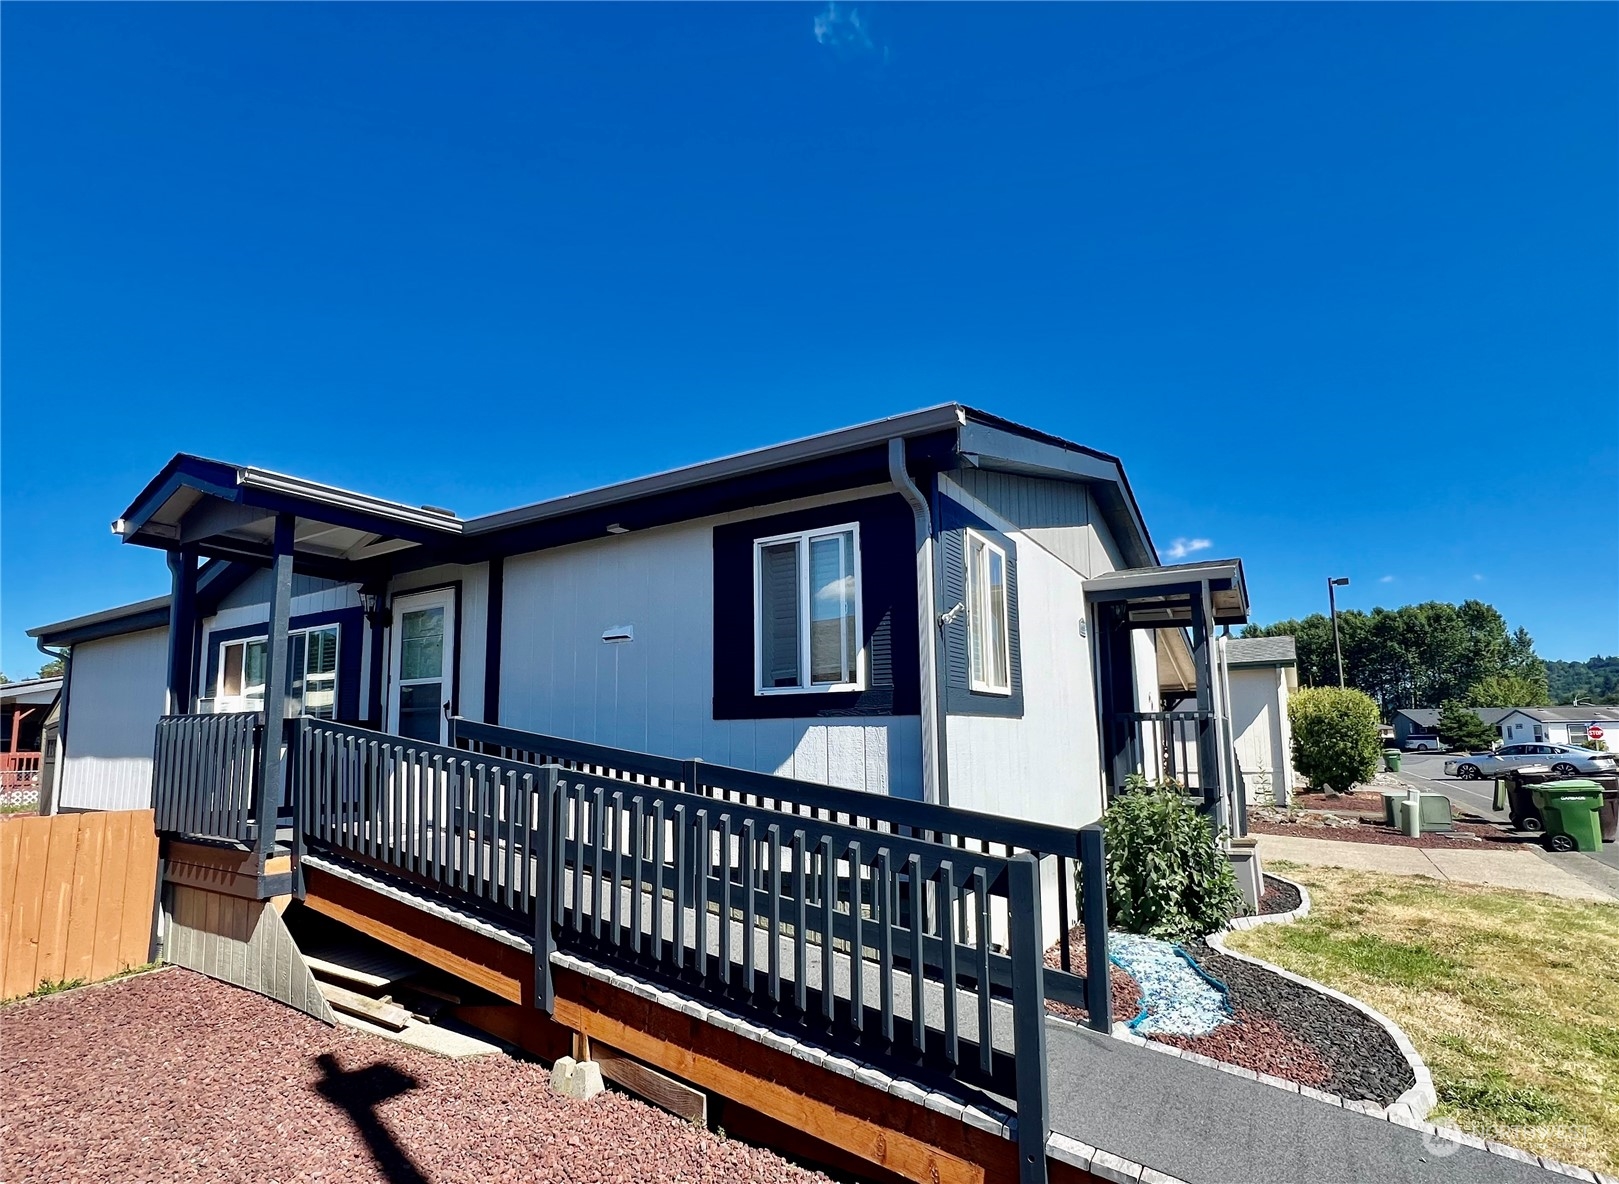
x=1045, y=766
x=1061, y=516
x=655, y=693
x=116, y=695
x=1260, y=727
x=472, y=627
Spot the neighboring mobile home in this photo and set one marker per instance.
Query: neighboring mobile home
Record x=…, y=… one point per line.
x=1559, y=725
x=943, y=606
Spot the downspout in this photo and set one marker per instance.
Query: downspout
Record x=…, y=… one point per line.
x=935, y=785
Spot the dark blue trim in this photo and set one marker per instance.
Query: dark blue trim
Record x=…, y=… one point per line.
x=183, y=471
x=887, y=614
x=951, y=522
x=348, y=622
x=492, y=631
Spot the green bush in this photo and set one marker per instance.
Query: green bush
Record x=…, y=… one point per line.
x=1335, y=743
x=1167, y=876
x=1460, y=728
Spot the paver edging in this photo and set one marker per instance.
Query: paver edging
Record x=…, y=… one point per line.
x=1241, y=923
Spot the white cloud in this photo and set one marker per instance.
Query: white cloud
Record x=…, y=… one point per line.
x=1385, y=579
x=841, y=29
x=1478, y=577
x=1181, y=548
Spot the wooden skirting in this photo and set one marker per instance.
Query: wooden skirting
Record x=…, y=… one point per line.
x=783, y=1100
x=76, y=895
x=241, y=941
x=228, y=871
x=498, y=968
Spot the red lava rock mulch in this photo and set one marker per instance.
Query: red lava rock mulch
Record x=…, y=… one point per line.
x=1258, y=1042
x=1125, y=994
x=172, y=1076
x=1467, y=834
x=1362, y=802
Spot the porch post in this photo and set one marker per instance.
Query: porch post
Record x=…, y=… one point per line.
x=275, y=686
x=182, y=628
x=1210, y=762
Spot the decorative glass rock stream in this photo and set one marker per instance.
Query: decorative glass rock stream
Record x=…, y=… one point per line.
x=1177, y=998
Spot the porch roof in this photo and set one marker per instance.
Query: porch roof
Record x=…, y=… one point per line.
x=229, y=511
x=1162, y=597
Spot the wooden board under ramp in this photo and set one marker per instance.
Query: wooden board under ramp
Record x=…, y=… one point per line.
x=240, y=941
x=359, y=961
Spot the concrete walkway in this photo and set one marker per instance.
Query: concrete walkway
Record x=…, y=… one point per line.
x=1522, y=867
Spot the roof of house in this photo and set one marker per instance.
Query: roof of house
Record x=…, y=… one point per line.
x=1260, y=651
x=1583, y=713
x=228, y=511
x=1428, y=717
x=30, y=690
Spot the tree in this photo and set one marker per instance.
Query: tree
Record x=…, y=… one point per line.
x=1596, y=680
x=1508, y=690
x=51, y=669
x=1418, y=655
x=1335, y=743
x=1460, y=727
x=3, y=678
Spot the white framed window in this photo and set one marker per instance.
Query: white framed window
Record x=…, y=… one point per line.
x=989, y=639
x=311, y=674
x=806, y=612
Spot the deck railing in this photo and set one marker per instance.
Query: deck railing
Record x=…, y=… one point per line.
x=206, y=773
x=19, y=771
x=851, y=933
x=874, y=814
x=1165, y=745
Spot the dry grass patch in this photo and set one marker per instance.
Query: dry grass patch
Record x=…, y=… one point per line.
x=1511, y=997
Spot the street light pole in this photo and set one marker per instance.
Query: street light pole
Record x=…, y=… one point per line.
x=1332, y=602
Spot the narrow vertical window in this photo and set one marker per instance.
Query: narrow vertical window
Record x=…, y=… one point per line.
x=807, y=618
x=988, y=622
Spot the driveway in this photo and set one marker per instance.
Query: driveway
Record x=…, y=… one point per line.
x=1426, y=770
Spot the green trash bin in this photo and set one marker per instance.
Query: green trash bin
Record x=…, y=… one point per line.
x=1391, y=759
x=1572, y=812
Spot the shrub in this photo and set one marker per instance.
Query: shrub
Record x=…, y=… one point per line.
x=1335, y=741
x=1460, y=728
x=1167, y=876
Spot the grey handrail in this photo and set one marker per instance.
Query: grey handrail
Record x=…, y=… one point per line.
x=962, y=829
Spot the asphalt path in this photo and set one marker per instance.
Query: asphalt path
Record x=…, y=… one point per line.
x=1426, y=770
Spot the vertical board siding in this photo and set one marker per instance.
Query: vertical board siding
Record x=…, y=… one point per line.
x=1258, y=719
x=76, y=896
x=243, y=942
x=655, y=693
x=117, y=694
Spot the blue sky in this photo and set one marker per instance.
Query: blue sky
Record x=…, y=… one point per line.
x=1338, y=283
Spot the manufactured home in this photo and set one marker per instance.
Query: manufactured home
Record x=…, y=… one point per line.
x=780, y=767
x=943, y=606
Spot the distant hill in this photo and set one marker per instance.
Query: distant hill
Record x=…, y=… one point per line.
x=1593, y=681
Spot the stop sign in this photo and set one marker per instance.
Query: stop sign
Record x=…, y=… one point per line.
x=1594, y=731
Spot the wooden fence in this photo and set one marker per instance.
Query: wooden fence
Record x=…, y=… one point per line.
x=76, y=894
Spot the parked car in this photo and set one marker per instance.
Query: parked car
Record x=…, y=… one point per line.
x=1422, y=743
x=1565, y=760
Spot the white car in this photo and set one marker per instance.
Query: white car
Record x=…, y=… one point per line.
x=1422, y=744
x=1565, y=760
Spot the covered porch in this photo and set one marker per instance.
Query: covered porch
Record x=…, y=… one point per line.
x=1169, y=719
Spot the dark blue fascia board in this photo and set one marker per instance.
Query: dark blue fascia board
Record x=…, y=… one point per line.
x=152, y=618
x=207, y=476
x=1019, y=449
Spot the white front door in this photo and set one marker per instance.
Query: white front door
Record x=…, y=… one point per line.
x=422, y=665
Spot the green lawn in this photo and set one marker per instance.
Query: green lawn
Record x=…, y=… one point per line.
x=1512, y=998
